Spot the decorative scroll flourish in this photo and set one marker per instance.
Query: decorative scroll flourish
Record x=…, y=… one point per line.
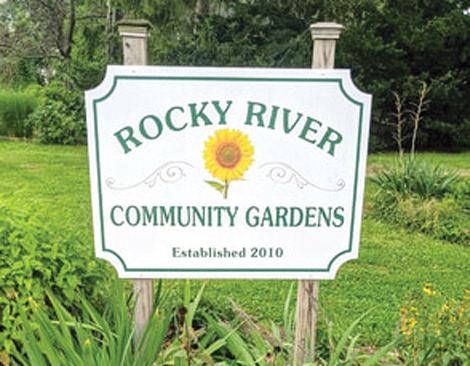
x=168, y=173
x=282, y=173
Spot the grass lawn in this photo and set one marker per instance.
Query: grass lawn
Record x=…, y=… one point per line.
x=392, y=263
x=460, y=162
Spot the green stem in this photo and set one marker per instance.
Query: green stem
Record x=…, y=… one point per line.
x=225, y=191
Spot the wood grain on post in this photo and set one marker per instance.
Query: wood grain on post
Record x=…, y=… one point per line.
x=324, y=37
x=134, y=41
x=134, y=35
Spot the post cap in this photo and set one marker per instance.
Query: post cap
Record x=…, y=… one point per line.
x=326, y=30
x=133, y=27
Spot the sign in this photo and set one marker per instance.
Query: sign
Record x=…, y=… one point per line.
x=227, y=172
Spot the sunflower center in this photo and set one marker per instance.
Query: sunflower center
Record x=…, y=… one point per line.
x=228, y=155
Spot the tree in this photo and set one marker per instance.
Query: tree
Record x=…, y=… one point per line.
x=45, y=33
x=402, y=44
x=391, y=46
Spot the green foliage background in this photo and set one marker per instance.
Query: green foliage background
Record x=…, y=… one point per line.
x=391, y=47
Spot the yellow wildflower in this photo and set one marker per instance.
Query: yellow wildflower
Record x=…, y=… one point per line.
x=405, y=330
x=428, y=290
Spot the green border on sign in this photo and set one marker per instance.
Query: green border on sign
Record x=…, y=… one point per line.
x=339, y=81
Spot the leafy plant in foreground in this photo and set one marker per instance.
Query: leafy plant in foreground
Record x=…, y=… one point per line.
x=346, y=351
x=37, y=253
x=188, y=343
x=91, y=339
x=171, y=338
x=253, y=343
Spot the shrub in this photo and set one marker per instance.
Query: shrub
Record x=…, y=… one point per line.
x=15, y=107
x=436, y=329
x=37, y=253
x=444, y=219
x=60, y=117
x=426, y=198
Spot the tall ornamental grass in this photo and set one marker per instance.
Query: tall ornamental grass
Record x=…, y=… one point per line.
x=15, y=108
x=416, y=177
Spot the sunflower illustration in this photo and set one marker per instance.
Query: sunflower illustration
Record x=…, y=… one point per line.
x=227, y=155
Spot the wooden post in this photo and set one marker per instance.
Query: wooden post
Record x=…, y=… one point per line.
x=306, y=322
x=324, y=36
x=134, y=35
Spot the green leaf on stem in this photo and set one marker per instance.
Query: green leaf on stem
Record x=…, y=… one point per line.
x=216, y=185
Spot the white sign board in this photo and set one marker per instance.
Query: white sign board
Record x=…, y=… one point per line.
x=227, y=173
